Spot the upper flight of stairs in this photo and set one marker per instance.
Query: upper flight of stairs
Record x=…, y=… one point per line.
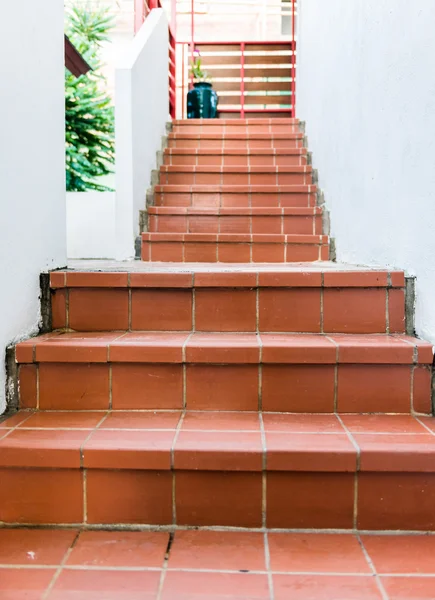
x=235, y=377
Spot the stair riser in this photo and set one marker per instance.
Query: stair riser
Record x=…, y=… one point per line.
x=314, y=310
x=295, y=500
x=250, y=129
x=232, y=252
x=228, y=144
x=235, y=224
x=297, y=388
x=221, y=159
x=236, y=200
x=235, y=178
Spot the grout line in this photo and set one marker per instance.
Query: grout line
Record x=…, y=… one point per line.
x=55, y=577
x=263, y=474
x=358, y=468
x=85, y=495
x=174, y=442
x=165, y=566
x=110, y=386
x=267, y=561
x=411, y=391
x=372, y=567
x=327, y=337
x=67, y=307
x=387, y=311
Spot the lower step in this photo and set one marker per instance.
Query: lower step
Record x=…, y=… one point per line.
x=257, y=157
x=233, y=248
x=196, y=469
x=294, y=221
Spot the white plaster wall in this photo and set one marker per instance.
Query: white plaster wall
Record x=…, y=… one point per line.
x=91, y=230
x=141, y=113
x=366, y=87
x=32, y=186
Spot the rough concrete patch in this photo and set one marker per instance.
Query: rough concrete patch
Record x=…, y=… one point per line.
x=137, y=248
x=410, y=305
x=11, y=381
x=326, y=222
x=332, y=250
x=45, y=303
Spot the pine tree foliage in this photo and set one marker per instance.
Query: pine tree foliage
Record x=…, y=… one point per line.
x=89, y=115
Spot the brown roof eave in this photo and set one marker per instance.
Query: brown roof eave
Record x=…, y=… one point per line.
x=74, y=61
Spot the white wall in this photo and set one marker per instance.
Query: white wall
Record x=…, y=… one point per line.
x=32, y=186
x=141, y=113
x=366, y=87
x=91, y=231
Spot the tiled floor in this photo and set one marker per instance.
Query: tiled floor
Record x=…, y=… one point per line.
x=42, y=564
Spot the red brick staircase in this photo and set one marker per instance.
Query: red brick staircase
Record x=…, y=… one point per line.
x=221, y=382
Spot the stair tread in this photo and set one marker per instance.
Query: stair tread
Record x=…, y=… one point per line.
x=266, y=238
x=235, y=169
x=235, y=211
x=247, y=348
x=235, y=189
x=219, y=441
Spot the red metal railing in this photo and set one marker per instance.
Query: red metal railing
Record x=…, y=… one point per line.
x=255, y=78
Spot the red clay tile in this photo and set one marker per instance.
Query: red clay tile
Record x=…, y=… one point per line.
x=366, y=279
x=225, y=310
x=73, y=387
x=264, y=253
x=222, y=387
x=410, y=554
x=221, y=421
x=38, y=496
x=316, y=553
x=413, y=453
x=161, y=280
x=218, y=550
x=307, y=423
x=322, y=587
x=149, y=347
x=421, y=390
x=290, y=279
x=57, y=279
x=120, y=449
x=107, y=584
x=382, y=424
x=289, y=310
x=14, y=420
x=79, y=347
x=373, y=349
x=51, y=448
x=223, y=279
x=142, y=420
x=143, y=497
x=298, y=388
x=63, y=420
x=396, y=311
x=161, y=310
x=147, y=386
x=218, y=451
x=298, y=349
x=166, y=251
x=218, y=498
x=392, y=501
x=310, y=500
x=24, y=584
x=310, y=452
x=407, y=588
x=223, y=348
x=374, y=388
x=119, y=549
x=215, y=586
x=28, y=391
x=34, y=546
x=98, y=309
x=58, y=308
x=24, y=351
x=354, y=310
x=107, y=280
x=234, y=253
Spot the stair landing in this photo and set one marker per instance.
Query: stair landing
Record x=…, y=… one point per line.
x=71, y=564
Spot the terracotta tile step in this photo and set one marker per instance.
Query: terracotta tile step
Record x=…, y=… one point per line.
x=233, y=248
x=314, y=471
x=168, y=219
x=304, y=301
x=236, y=126
x=259, y=196
x=234, y=157
x=239, y=175
x=236, y=565
x=236, y=140
x=274, y=372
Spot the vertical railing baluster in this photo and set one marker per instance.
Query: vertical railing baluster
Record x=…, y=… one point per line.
x=242, y=80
